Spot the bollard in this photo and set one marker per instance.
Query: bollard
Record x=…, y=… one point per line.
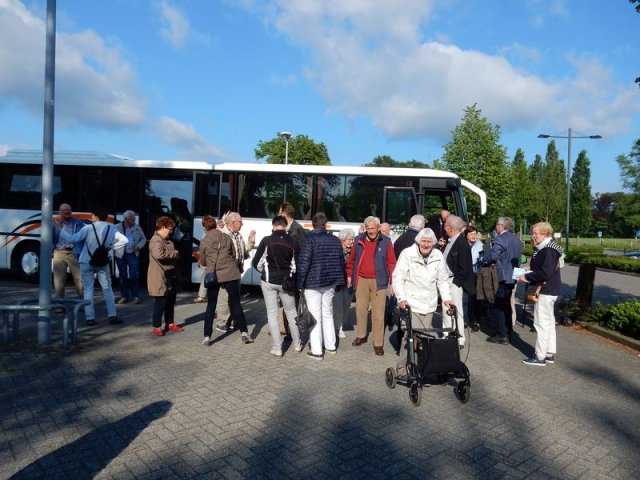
x=584, y=289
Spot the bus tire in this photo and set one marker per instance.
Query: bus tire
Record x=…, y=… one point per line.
x=27, y=261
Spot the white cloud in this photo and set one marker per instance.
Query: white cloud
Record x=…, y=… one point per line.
x=176, y=25
x=370, y=60
x=187, y=140
x=94, y=84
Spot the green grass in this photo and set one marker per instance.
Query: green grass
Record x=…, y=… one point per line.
x=622, y=244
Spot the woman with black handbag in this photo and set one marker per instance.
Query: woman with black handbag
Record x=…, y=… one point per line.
x=163, y=276
x=275, y=260
x=218, y=258
x=544, y=274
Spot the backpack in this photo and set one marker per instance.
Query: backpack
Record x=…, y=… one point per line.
x=100, y=256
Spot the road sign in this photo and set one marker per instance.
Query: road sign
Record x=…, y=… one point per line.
x=600, y=233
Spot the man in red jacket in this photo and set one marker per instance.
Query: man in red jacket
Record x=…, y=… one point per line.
x=369, y=270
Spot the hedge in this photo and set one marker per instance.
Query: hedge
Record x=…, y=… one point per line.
x=623, y=317
x=593, y=255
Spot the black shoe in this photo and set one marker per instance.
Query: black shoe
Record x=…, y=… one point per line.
x=91, y=323
x=475, y=327
x=115, y=320
x=499, y=340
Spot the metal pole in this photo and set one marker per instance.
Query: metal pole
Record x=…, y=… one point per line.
x=568, y=189
x=286, y=150
x=44, y=298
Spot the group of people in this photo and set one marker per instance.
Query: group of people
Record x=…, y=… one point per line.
x=435, y=263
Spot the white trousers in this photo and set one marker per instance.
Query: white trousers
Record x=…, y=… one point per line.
x=544, y=321
x=447, y=321
x=271, y=292
x=320, y=304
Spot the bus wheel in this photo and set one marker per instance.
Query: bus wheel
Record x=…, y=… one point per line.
x=28, y=262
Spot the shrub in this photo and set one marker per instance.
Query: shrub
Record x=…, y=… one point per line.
x=612, y=262
x=622, y=317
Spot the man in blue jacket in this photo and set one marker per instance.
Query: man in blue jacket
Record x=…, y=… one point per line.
x=505, y=253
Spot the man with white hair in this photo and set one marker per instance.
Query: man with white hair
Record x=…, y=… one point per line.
x=128, y=263
x=369, y=271
x=457, y=256
x=407, y=239
x=420, y=275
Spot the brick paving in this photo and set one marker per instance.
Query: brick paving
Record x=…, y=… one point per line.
x=124, y=404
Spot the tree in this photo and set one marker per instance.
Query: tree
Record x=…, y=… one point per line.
x=387, y=161
x=476, y=155
x=554, y=187
x=630, y=168
x=603, y=207
x=581, y=200
x=536, y=178
x=521, y=192
x=302, y=151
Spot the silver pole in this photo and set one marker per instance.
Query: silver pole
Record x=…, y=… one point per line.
x=286, y=150
x=568, y=189
x=44, y=299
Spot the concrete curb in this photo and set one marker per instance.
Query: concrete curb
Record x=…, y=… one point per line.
x=610, y=334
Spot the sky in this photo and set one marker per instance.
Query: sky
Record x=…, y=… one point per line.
x=209, y=79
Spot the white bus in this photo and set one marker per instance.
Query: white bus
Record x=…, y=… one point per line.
x=189, y=190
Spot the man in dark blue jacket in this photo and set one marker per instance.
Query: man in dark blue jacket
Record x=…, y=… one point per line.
x=505, y=253
x=320, y=272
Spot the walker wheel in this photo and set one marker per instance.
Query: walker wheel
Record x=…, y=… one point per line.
x=464, y=392
x=415, y=394
x=390, y=378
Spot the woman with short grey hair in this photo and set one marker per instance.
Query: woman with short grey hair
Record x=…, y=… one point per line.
x=343, y=297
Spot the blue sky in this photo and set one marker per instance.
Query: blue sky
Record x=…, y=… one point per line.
x=209, y=79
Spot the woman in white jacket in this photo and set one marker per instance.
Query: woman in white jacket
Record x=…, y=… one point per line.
x=419, y=276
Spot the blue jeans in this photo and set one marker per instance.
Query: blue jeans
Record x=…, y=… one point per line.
x=104, y=277
x=128, y=272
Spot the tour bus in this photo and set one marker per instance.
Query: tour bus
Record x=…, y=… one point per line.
x=188, y=190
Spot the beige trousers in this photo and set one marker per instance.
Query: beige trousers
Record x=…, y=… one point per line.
x=367, y=295
x=63, y=259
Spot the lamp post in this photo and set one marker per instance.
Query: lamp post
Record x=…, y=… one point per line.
x=569, y=136
x=286, y=136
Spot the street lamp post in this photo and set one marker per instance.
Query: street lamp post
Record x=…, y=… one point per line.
x=286, y=136
x=569, y=136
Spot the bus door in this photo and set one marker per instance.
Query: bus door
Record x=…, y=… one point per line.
x=171, y=196
x=399, y=205
x=440, y=194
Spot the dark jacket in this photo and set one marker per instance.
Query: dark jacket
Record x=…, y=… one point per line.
x=217, y=253
x=405, y=240
x=460, y=264
x=276, y=257
x=320, y=263
x=297, y=233
x=545, y=270
x=487, y=284
x=505, y=253
x=384, y=258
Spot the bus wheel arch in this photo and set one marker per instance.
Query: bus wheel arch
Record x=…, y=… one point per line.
x=26, y=260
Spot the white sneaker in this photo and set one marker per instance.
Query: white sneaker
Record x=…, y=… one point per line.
x=341, y=333
x=206, y=341
x=277, y=353
x=298, y=348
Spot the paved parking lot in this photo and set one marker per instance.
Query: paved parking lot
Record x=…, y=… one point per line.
x=125, y=404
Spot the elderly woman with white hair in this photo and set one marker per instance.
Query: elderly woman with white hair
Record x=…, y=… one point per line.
x=343, y=297
x=419, y=276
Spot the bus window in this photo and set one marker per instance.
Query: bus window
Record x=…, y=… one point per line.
x=207, y=194
x=331, y=196
x=96, y=188
x=22, y=190
x=433, y=202
x=260, y=194
x=399, y=205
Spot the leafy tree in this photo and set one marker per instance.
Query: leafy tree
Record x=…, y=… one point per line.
x=581, y=214
x=630, y=168
x=536, y=178
x=387, y=161
x=555, y=188
x=475, y=154
x=302, y=151
x=522, y=191
x=603, y=208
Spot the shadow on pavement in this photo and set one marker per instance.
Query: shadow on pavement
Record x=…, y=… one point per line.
x=107, y=442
